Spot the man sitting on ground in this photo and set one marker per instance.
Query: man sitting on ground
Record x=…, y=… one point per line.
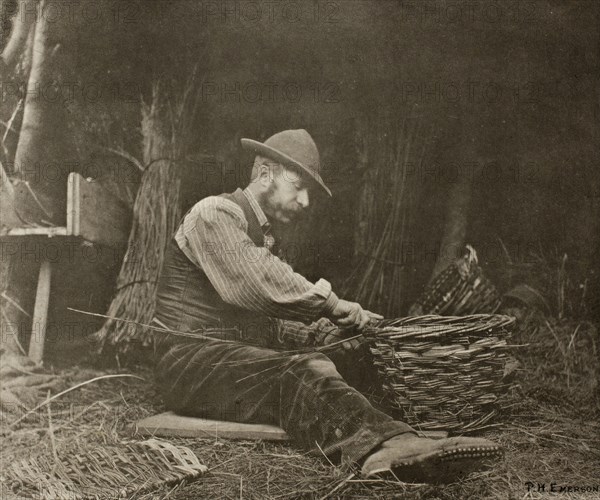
x=233, y=307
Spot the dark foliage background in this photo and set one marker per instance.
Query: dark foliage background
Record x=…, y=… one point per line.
x=509, y=91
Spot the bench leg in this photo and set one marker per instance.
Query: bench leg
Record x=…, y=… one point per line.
x=40, y=312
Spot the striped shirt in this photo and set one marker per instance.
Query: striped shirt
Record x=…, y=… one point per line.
x=214, y=237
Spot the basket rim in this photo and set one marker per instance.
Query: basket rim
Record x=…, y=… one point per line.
x=434, y=326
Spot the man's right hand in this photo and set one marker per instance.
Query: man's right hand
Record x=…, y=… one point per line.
x=351, y=314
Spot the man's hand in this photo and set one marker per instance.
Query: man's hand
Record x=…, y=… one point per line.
x=350, y=314
x=336, y=336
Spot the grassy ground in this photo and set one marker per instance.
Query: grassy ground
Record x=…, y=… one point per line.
x=550, y=429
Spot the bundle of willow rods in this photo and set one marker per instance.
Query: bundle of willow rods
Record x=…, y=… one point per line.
x=442, y=372
x=166, y=127
x=391, y=154
x=460, y=289
x=108, y=472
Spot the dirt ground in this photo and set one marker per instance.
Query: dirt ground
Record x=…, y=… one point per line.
x=548, y=425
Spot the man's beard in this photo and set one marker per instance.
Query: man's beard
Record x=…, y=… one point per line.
x=272, y=209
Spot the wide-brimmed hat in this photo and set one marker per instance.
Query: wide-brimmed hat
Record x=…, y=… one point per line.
x=291, y=148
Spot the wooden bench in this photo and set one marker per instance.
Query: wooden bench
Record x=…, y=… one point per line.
x=169, y=424
x=94, y=216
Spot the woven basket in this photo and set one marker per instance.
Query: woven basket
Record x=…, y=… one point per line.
x=442, y=372
x=117, y=471
x=458, y=290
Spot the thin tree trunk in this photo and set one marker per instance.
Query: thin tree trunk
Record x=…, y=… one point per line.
x=21, y=24
x=41, y=196
x=14, y=271
x=38, y=196
x=17, y=271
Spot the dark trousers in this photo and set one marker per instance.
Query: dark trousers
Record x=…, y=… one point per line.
x=304, y=394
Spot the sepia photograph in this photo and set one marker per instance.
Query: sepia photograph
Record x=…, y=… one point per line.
x=300, y=249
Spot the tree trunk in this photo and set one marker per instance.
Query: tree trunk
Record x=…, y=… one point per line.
x=15, y=272
x=21, y=24
x=18, y=271
x=41, y=194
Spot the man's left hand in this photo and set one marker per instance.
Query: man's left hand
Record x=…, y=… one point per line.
x=338, y=334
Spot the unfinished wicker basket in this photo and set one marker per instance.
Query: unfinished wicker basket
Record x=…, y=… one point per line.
x=442, y=372
x=460, y=289
x=117, y=471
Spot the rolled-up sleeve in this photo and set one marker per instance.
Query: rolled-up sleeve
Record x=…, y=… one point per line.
x=245, y=275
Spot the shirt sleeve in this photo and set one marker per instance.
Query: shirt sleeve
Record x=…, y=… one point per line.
x=245, y=275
